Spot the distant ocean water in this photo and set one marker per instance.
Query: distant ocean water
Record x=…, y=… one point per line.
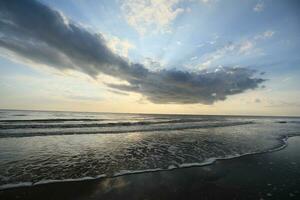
x=38, y=146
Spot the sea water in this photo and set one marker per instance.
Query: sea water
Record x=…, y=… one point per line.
x=38, y=147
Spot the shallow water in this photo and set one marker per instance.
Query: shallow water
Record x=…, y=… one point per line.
x=38, y=147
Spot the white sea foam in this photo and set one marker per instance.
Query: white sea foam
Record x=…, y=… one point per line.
x=143, y=146
x=128, y=172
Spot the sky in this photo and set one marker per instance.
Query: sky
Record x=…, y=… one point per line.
x=229, y=57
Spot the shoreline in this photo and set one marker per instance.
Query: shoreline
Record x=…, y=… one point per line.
x=214, y=167
x=211, y=161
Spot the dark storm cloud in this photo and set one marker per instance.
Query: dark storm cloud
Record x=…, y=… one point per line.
x=170, y=86
x=39, y=33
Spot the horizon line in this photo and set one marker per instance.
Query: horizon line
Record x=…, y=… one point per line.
x=228, y=115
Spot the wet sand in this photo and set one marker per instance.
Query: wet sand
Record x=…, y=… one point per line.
x=273, y=175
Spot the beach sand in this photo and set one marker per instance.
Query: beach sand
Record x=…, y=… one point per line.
x=274, y=175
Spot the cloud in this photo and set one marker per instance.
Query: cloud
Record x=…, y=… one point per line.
x=242, y=48
x=170, y=86
x=245, y=47
x=152, y=64
x=205, y=1
x=151, y=15
x=283, y=104
x=258, y=7
x=119, y=92
x=46, y=37
x=257, y=100
x=265, y=35
x=194, y=58
x=228, y=49
x=208, y=1
x=268, y=34
x=119, y=46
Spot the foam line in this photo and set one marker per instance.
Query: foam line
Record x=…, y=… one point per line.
x=283, y=144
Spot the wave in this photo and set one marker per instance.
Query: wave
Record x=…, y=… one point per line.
x=282, y=144
x=285, y=122
x=60, y=132
x=48, y=120
x=92, y=125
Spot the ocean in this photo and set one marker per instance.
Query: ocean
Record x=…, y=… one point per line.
x=39, y=147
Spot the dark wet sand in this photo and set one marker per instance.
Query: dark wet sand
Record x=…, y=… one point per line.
x=273, y=175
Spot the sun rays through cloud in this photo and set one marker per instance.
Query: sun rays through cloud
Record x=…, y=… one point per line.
x=178, y=52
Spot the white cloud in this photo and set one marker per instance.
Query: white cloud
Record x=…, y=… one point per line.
x=246, y=47
x=151, y=16
x=207, y=63
x=265, y=35
x=205, y=1
x=268, y=34
x=210, y=58
x=194, y=58
x=287, y=79
x=118, y=45
x=259, y=7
